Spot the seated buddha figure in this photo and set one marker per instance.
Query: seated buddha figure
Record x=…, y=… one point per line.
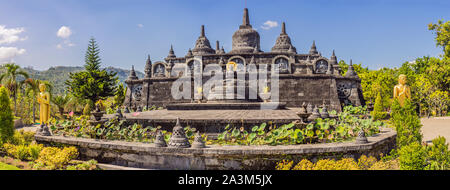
x=401, y=90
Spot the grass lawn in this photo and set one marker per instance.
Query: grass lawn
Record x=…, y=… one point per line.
x=4, y=166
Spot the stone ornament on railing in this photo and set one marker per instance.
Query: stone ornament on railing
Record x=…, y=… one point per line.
x=198, y=141
x=361, y=139
x=315, y=114
x=178, y=138
x=324, y=113
x=159, y=140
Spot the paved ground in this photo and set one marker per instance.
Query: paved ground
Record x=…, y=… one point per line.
x=434, y=127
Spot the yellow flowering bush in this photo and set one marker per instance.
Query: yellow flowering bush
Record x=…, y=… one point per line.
x=385, y=165
x=284, y=165
x=56, y=158
x=304, y=165
x=326, y=164
x=365, y=162
x=23, y=152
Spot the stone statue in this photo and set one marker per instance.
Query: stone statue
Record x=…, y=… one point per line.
x=44, y=109
x=401, y=90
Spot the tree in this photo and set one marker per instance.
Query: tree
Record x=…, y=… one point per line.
x=93, y=83
x=442, y=30
x=120, y=96
x=378, y=112
x=9, y=79
x=60, y=102
x=6, y=117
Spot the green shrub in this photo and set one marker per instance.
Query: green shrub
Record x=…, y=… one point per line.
x=365, y=162
x=378, y=112
x=56, y=158
x=412, y=157
x=6, y=117
x=22, y=137
x=438, y=155
x=304, y=165
x=89, y=165
x=406, y=122
x=87, y=110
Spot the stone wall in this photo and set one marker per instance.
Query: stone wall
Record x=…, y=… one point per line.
x=144, y=155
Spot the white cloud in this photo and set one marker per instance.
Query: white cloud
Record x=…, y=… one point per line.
x=140, y=25
x=7, y=53
x=11, y=35
x=64, y=32
x=269, y=24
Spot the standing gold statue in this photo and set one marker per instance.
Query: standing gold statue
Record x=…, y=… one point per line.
x=401, y=90
x=44, y=105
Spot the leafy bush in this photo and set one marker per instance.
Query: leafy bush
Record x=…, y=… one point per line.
x=438, y=155
x=406, y=122
x=88, y=165
x=6, y=117
x=378, y=112
x=385, y=165
x=304, y=164
x=284, y=165
x=22, y=137
x=365, y=162
x=412, y=157
x=56, y=158
x=22, y=151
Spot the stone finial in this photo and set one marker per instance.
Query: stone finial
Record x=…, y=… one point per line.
x=171, y=53
x=315, y=114
x=222, y=50
x=333, y=59
x=202, y=33
x=246, y=18
x=361, y=139
x=189, y=53
x=313, y=49
x=178, y=138
x=217, y=47
x=139, y=109
x=309, y=108
x=148, y=68
x=329, y=69
x=159, y=140
x=132, y=75
x=198, y=141
x=283, y=28
x=324, y=113
x=351, y=71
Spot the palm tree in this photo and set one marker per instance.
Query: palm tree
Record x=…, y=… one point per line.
x=9, y=79
x=33, y=89
x=60, y=101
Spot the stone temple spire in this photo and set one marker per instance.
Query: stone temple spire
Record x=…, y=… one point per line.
x=202, y=45
x=217, y=47
x=171, y=53
x=245, y=20
x=313, y=49
x=351, y=71
x=283, y=43
x=246, y=38
x=333, y=59
x=148, y=68
x=132, y=75
x=189, y=53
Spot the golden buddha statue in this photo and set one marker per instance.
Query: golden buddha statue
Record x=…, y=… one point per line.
x=231, y=66
x=401, y=90
x=44, y=105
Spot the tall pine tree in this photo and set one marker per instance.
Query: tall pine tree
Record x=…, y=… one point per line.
x=94, y=83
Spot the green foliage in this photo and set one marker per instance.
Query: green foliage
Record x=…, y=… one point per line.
x=442, y=31
x=412, y=157
x=93, y=83
x=87, y=109
x=438, y=155
x=119, y=97
x=406, y=122
x=378, y=112
x=363, y=163
x=6, y=117
x=56, y=158
x=88, y=165
x=60, y=101
x=9, y=79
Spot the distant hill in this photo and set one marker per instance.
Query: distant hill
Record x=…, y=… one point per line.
x=59, y=74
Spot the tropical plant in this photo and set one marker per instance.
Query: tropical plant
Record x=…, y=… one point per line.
x=6, y=117
x=60, y=101
x=10, y=80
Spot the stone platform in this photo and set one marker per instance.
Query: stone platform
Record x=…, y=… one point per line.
x=227, y=106
x=211, y=121
x=215, y=157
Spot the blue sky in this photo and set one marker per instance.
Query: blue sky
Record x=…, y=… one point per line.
x=376, y=33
